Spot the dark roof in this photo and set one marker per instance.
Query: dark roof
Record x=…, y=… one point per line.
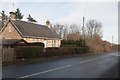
x=11, y=41
x=34, y=30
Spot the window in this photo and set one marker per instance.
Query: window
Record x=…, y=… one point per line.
x=10, y=28
x=34, y=40
x=53, y=43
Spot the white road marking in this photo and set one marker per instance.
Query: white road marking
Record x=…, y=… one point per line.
x=114, y=54
x=45, y=71
x=87, y=61
x=61, y=67
x=93, y=59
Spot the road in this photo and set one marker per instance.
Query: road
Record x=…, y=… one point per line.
x=89, y=66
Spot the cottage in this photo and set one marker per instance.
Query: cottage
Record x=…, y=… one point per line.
x=30, y=32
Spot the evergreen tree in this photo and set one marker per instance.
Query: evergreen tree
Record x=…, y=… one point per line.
x=18, y=14
x=30, y=19
x=4, y=18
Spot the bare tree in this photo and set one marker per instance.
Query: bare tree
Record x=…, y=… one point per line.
x=61, y=30
x=74, y=36
x=58, y=28
x=94, y=29
x=64, y=30
x=74, y=28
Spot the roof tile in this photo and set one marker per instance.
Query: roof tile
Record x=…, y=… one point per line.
x=34, y=30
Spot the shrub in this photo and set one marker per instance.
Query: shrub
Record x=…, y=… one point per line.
x=69, y=50
x=65, y=51
x=71, y=43
x=29, y=52
x=53, y=51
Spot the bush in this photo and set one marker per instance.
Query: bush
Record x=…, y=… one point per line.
x=29, y=52
x=69, y=50
x=76, y=47
x=53, y=51
x=71, y=43
x=65, y=51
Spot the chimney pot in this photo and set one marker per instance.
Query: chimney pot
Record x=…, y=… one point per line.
x=12, y=15
x=48, y=24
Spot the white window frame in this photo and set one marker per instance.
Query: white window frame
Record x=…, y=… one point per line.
x=10, y=28
x=34, y=40
x=53, y=43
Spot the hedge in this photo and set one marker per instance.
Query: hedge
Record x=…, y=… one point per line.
x=29, y=52
x=65, y=51
x=71, y=43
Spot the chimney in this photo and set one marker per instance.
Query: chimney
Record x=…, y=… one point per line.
x=48, y=24
x=12, y=15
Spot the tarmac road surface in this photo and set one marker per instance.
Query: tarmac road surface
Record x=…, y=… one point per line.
x=87, y=66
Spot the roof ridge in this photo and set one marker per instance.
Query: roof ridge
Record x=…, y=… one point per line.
x=30, y=22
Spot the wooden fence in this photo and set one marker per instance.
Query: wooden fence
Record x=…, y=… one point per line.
x=8, y=54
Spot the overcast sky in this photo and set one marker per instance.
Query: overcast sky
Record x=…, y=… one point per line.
x=69, y=12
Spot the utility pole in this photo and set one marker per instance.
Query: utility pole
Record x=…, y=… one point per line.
x=83, y=32
x=13, y=7
x=112, y=39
